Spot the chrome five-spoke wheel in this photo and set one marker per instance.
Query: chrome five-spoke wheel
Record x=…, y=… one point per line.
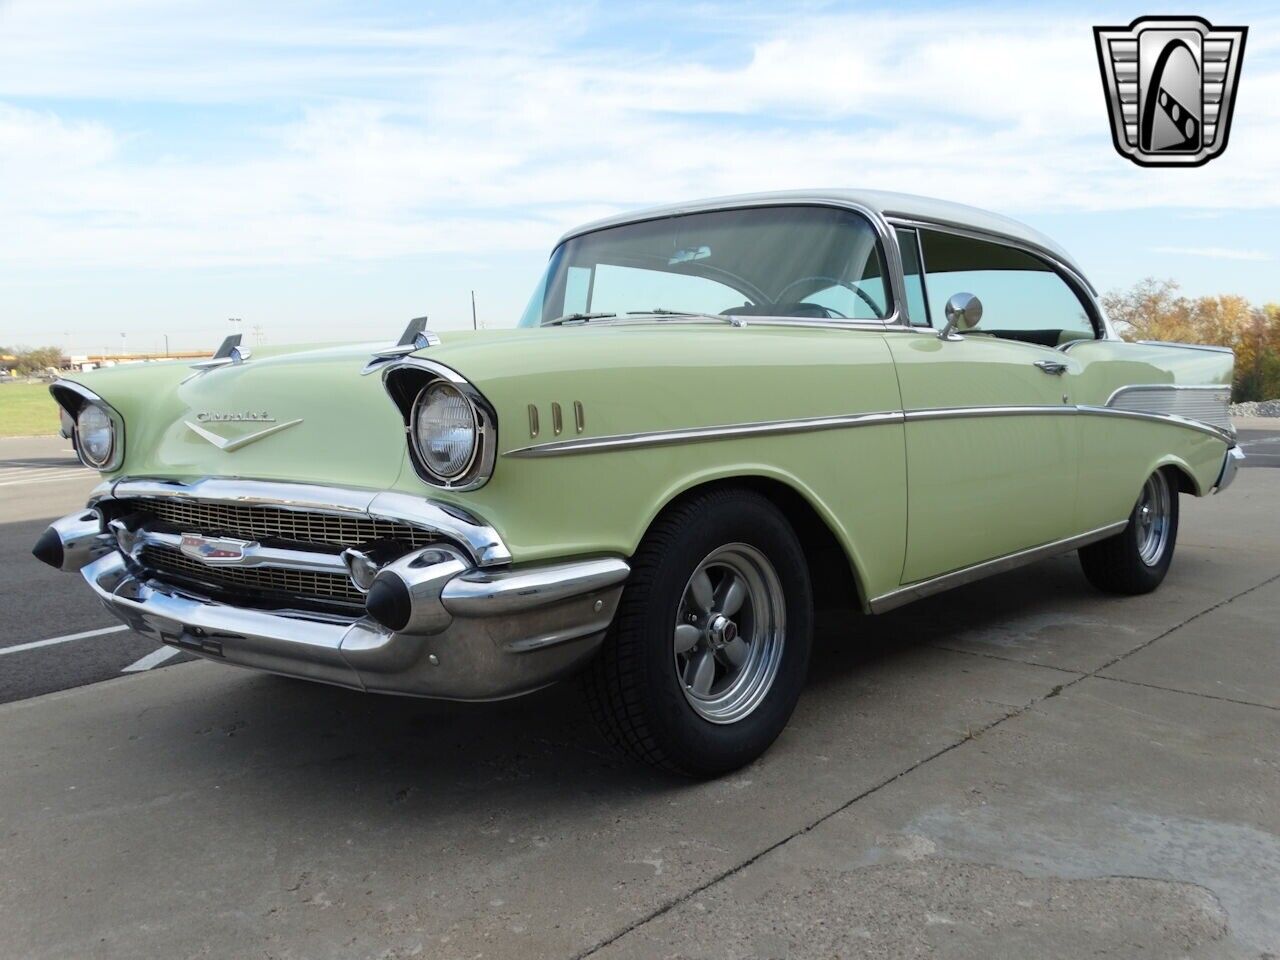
x=729, y=633
x=1153, y=518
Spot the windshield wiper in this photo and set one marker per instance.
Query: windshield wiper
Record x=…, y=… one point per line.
x=576, y=318
x=663, y=312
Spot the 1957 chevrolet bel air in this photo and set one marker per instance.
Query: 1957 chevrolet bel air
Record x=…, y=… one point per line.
x=709, y=415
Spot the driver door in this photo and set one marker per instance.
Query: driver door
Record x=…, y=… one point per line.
x=992, y=444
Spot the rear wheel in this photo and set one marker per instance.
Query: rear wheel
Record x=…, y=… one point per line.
x=1137, y=558
x=709, y=650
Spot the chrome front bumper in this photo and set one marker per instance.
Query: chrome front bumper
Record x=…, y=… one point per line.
x=472, y=632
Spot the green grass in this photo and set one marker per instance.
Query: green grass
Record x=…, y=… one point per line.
x=27, y=410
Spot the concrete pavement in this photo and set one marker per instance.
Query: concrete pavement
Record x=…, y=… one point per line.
x=1020, y=768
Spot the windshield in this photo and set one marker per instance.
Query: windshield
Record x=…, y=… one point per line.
x=813, y=262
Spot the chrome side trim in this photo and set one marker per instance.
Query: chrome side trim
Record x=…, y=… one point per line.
x=659, y=438
x=1186, y=346
x=480, y=540
x=1167, y=418
x=956, y=578
x=629, y=441
x=964, y=413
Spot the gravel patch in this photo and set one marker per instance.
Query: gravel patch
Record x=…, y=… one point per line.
x=1256, y=408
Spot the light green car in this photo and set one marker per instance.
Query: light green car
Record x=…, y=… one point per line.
x=710, y=417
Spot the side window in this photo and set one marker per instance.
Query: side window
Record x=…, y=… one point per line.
x=1023, y=298
x=913, y=277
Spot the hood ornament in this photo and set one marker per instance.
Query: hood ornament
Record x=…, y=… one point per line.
x=416, y=337
x=229, y=353
x=230, y=445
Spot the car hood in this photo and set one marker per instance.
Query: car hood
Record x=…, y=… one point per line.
x=302, y=414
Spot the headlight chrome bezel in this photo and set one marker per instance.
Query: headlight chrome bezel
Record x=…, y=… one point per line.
x=408, y=381
x=73, y=399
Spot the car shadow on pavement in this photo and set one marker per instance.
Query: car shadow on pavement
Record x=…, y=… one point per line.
x=370, y=753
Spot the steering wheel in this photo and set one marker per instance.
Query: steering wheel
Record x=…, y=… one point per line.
x=833, y=281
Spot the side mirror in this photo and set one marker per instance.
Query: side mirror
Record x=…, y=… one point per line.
x=963, y=312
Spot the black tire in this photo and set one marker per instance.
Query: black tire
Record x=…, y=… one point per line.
x=1118, y=564
x=633, y=688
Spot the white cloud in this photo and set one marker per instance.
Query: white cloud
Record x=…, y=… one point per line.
x=376, y=139
x=1214, y=253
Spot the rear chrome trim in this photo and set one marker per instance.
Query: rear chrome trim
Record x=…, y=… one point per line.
x=480, y=540
x=1166, y=418
x=956, y=578
x=1230, y=464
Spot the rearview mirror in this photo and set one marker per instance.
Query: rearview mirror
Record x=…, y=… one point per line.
x=963, y=312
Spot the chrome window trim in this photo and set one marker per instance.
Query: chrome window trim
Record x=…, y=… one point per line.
x=888, y=247
x=454, y=523
x=480, y=469
x=117, y=423
x=658, y=438
x=978, y=571
x=1075, y=279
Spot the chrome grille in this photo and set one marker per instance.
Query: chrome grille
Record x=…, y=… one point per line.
x=251, y=522
x=301, y=584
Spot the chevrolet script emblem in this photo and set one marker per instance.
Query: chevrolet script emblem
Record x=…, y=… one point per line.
x=214, y=550
x=230, y=444
x=1170, y=84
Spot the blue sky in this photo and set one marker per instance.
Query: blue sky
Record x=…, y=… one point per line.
x=328, y=170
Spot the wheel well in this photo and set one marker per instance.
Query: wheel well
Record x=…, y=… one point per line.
x=1183, y=481
x=835, y=584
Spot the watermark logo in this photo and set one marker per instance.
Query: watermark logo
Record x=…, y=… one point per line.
x=1170, y=84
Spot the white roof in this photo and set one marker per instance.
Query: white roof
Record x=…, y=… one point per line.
x=902, y=205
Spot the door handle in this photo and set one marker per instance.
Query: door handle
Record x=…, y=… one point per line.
x=1052, y=366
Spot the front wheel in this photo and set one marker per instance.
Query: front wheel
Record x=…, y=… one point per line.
x=709, y=650
x=1137, y=558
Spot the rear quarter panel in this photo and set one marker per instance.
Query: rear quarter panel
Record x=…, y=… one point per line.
x=1117, y=455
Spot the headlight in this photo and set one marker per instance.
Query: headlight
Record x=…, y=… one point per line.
x=445, y=430
x=96, y=436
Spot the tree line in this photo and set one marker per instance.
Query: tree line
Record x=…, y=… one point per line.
x=27, y=361
x=1155, y=310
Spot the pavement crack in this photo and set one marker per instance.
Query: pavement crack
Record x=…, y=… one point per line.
x=970, y=735
x=1190, y=693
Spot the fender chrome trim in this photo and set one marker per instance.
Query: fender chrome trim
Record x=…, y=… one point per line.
x=957, y=578
x=660, y=438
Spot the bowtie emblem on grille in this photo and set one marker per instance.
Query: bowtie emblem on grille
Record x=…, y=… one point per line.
x=214, y=550
x=230, y=444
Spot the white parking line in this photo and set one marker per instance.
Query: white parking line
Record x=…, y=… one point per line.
x=51, y=477
x=18, y=648
x=152, y=659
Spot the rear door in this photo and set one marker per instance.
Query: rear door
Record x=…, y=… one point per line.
x=992, y=439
